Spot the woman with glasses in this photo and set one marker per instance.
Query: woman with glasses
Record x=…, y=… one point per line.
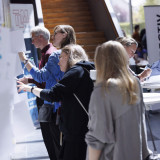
x=130, y=46
x=50, y=74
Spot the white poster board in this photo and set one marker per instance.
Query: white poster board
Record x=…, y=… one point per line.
x=152, y=22
x=10, y=67
x=22, y=18
x=1, y=13
x=7, y=85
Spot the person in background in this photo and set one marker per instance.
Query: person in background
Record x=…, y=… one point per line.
x=140, y=52
x=73, y=118
x=117, y=129
x=131, y=46
x=51, y=74
x=136, y=34
x=143, y=38
x=40, y=39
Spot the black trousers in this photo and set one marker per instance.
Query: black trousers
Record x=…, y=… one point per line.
x=51, y=136
x=73, y=150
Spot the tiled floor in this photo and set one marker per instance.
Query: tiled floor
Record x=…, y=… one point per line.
x=32, y=147
x=154, y=120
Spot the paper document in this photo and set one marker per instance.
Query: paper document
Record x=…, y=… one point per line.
x=17, y=45
x=152, y=80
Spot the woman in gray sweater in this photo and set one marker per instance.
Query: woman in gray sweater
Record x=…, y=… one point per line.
x=116, y=110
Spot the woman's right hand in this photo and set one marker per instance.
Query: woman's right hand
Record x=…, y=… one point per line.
x=21, y=86
x=23, y=80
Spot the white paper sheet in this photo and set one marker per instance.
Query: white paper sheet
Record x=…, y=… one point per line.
x=5, y=42
x=17, y=41
x=153, y=80
x=22, y=18
x=1, y=13
x=8, y=70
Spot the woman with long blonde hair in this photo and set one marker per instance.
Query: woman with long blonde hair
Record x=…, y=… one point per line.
x=116, y=110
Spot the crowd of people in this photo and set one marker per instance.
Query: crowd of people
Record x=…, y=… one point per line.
x=80, y=119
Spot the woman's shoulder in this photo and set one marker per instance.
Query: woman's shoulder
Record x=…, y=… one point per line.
x=56, y=53
x=54, y=57
x=109, y=84
x=74, y=71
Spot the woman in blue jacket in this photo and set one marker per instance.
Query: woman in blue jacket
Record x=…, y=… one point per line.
x=51, y=74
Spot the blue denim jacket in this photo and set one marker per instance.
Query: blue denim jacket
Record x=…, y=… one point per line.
x=50, y=73
x=155, y=68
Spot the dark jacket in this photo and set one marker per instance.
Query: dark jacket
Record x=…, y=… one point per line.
x=73, y=119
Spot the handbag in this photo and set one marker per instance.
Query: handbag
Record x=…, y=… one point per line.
x=45, y=113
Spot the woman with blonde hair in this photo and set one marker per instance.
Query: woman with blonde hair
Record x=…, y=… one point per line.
x=116, y=110
x=130, y=46
x=73, y=61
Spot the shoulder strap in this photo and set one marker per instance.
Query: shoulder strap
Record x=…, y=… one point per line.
x=78, y=98
x=80, y=103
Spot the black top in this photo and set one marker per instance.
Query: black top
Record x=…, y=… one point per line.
x=73, y=119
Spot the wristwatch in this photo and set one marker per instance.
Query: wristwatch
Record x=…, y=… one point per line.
x=32, y=88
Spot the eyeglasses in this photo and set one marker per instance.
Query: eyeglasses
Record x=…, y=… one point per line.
x=33, y=38
x=59, y=31
x=53, y=35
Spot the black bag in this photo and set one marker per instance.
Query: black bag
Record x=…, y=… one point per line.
x=45, y=113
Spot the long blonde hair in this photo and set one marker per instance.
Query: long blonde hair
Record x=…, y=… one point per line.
x=111, y=64
x=71, y=35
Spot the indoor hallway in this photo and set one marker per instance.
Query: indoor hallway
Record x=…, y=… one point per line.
x=31, y=147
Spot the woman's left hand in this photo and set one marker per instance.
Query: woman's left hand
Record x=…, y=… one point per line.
x=21, y=86
x=22, y=56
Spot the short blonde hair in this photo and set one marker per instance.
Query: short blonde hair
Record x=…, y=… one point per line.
x=127, y=41
x=111, y=64
x=76, y=54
